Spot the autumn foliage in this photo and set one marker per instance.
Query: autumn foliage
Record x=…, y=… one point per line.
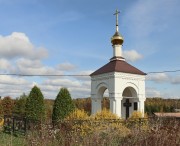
x=105, y=114
x=7, y=105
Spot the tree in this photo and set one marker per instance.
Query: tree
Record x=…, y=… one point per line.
x=34, y=107
x=20, y=104
x=7, y=105
x=63, y=105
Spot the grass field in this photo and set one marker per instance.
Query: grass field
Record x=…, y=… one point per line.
x=11, y=140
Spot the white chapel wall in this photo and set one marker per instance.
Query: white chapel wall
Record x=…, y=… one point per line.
x=116, y=83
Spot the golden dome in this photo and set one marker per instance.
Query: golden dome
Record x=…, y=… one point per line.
x=117, y=39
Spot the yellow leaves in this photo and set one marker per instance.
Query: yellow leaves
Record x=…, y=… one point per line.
x=136, y=114
x=105, y=114
x=1, y=122
x=85, y=128
x=103, y=122
x=82, y=128
x=77, y=114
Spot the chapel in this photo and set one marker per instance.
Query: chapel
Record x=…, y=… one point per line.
x=125, y=83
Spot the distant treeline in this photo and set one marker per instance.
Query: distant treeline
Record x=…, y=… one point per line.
x=161, y=105
x=151, y=104
x=10, y=106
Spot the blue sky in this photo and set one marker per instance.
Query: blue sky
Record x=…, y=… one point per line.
x=73, y=37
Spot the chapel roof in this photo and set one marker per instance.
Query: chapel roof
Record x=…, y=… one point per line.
x=118, y=66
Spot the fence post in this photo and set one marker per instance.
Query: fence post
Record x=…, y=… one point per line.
x=13, y=125
x=24, y=125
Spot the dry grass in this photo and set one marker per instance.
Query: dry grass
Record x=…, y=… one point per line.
x=102, y=133
x=90, y=133
x=164, y=132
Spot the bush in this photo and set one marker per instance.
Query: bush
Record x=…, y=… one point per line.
x=136, y=115
x=105, y=114
x=78, y=114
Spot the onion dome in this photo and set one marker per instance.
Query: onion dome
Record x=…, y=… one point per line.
x=117, y=39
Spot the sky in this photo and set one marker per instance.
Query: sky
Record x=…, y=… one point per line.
x=67, y=37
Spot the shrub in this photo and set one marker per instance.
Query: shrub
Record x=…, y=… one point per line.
x=136, y=114
x=78, y=114
x=105, y=114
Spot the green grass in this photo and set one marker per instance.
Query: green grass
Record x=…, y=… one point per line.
x=11, y=140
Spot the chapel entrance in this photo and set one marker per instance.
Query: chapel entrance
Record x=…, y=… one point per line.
x=103, y=95
x=129, y=101
x=105, y=102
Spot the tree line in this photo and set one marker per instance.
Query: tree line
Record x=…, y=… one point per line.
x=34, y=106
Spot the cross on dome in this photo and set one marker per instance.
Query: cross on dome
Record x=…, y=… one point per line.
x=117, y=38
x=117, y=12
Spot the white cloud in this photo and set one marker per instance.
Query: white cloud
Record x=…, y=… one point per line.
x=34, y=67
x=77, y=88
x=26, y=63
x=132, y=55
x=165, y=92
x=13, y=86
x=158, y=77
x=4, y=64
x=85, y=75
x=12, y=80
x=163, y=78
x=167, y=88
x=66, y=66
x=62, y=82
x=80, y=92
x=152, y=92
x=18, y=45
x=176, y=80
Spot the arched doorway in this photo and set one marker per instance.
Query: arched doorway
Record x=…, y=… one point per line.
x=129, y=102
x=129, y=92
x=105, y=102
x=103, y=94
